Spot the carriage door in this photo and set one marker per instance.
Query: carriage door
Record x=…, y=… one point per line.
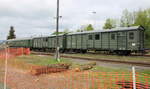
x=90, y=41
x=122, y=41
x=64, y=41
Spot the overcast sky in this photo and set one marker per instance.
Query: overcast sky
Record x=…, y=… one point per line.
x=37, y=17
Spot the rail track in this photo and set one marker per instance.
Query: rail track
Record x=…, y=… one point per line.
x=96, y=59
x=141, y=55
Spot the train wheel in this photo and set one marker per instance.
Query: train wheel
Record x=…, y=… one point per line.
x=123, y=53
x=84, y=51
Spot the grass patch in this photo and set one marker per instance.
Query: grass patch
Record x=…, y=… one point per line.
x=145, y=72
x=105, y=69
x=45, y=60
x=23, y=61
x=40, y=60
x=26, y=61
x=120, y=70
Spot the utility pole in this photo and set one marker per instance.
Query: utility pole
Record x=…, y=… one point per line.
x=57, y=31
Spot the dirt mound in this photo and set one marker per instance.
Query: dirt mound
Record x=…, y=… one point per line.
x=53, y=68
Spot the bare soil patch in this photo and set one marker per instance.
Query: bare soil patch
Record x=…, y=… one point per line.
x=19, y=79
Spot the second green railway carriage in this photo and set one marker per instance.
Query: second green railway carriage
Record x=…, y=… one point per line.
x=48, y=43
x=52, y=42
x=40, y=42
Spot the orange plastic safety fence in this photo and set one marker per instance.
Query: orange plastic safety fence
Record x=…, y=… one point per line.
x=80, y=80
x=13, y=52
x=106, y=80
x=99, y=80
x=72, y=79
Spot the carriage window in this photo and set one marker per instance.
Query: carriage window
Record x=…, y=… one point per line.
x=97, y=37
x=131, y=35
x=45, y=39
x=112, y=36
x=90, y=37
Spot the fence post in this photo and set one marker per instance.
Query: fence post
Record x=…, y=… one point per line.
x=134, y=78
x=6, y=62
x=22, y=51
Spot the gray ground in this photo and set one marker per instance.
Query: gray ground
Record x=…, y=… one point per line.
x=110, y=65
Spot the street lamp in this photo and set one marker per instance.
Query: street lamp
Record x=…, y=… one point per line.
x=56, y=17
x=94, y=12
x=57, y=31
x=94, y=22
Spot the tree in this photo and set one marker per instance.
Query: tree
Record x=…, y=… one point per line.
x=79, y=30
x=109, y=24
x=140, y=17
x=143, y=18
x=89, y=28
x=127, y=18
x=66, y=31
x=83, y=28
x=54, y=33
x=11, y=33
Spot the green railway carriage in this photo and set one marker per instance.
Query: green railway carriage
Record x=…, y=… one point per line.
x=40, y=42
x=52, y=42
x=25, y=42
x=76, y=41
x=120, y=40
x=47, y=42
